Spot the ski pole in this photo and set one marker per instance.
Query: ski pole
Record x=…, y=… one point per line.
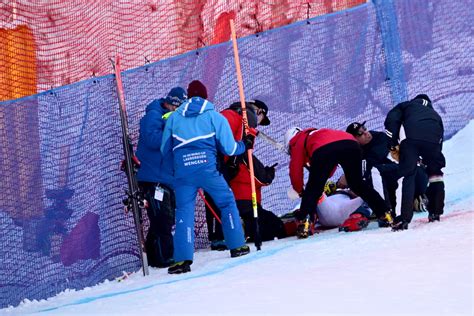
x=258, y=240
x=272, y=142
x=209, y=206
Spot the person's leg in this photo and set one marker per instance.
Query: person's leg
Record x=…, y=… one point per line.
x=214, y=228
x=222, y=195
x=148, y=190
x=164, y=226
x=409, y=154
x=322, y=164
x=184, y=231
x=435, y=161
x=350, y=160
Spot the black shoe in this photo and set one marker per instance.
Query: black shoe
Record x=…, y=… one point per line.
x=241, y=251
x=386, y=220
x=180, y=267
x=218, y=245
x=399, y=224
x=433, y=218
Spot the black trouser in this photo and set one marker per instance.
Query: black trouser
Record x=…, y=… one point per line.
x=410, y=151
x=390, y=183
x=214, y=228
x=270, y=225
x=159, y=240
x=348, y=154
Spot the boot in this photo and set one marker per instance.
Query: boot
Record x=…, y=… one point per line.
x=433, y=218
x=354, y=223
x=238, y=252
x=180, y=267
x=399, y=224
x=386, y=220
x=420, y=203
x=305, y=228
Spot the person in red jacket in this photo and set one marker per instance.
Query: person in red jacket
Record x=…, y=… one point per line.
x=320, y=151
x=236, y=171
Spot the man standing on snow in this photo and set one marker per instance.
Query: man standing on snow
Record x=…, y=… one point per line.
x=424, y=137
x=321, y=150
x=194, y=134
x=155, y=179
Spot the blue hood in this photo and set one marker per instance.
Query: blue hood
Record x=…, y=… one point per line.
x=194, y=107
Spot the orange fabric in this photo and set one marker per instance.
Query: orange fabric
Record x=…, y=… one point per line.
x=17, y=63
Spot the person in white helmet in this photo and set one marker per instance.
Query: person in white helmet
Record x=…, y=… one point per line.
x=320, y=151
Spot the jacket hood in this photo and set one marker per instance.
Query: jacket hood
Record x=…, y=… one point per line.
x=156, y=105
x=194, y=107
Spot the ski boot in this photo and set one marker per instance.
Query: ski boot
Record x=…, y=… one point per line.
x=386, y=220
x=238, y=252
x=180, y=267
x=354, y=223
x=305, y=228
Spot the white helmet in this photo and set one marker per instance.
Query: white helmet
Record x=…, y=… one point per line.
x=289, y=135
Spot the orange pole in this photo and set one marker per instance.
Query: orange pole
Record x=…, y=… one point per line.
x=258, y=241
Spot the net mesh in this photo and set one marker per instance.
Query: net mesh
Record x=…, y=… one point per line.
x=62, y=223
x=56, y=43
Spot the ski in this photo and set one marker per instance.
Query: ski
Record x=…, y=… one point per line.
x=134, y=201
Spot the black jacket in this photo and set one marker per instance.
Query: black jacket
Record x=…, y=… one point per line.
x=419, y=119
x=375, y=154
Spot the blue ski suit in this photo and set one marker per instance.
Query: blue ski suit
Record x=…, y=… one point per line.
x=194, y=134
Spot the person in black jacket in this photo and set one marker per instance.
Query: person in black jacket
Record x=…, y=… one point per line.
x=375, y=149
x=424, y=137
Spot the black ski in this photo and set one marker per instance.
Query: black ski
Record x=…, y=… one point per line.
x=134, y=200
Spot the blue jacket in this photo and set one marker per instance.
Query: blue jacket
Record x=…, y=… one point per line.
x=153, y=167
x=194, y=134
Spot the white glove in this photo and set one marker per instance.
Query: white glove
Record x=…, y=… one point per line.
x=292, y=194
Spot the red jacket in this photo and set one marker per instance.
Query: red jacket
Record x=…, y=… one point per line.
x=240, y=185
x=302, y=147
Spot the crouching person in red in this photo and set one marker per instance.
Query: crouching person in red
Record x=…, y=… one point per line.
x=321, y=150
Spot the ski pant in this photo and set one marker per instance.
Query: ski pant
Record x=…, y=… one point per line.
x=159, y=239
x=348, y=154
x=336, y=208
x=186, y=189
x=433, y=158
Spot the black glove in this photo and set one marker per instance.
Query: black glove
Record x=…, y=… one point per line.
x=248, y=140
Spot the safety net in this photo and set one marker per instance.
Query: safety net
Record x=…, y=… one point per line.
x=62, y=223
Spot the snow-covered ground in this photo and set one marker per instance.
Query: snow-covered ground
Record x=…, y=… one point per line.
x=426, y=270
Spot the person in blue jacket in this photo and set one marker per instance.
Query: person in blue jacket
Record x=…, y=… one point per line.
x=155, y=178
x=194, y=134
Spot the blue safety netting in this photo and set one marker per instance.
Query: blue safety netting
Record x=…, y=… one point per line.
x=62, y=223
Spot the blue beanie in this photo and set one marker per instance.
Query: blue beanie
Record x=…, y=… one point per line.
x=176, y=96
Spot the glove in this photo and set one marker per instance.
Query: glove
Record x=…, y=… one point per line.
x=248, y=140
x=395, y=152
x=270, y=171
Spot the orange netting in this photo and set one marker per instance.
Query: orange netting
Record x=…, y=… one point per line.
x=47, y=44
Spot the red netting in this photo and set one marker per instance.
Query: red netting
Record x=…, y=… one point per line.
x=48, y=44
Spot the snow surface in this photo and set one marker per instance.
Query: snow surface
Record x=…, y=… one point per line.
x=426, y=270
